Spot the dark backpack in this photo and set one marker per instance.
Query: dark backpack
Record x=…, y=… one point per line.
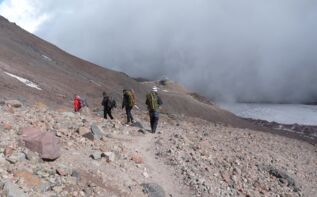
x=152, y=101
x=112, y=102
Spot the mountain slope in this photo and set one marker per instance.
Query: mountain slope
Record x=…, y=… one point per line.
x=61, y=75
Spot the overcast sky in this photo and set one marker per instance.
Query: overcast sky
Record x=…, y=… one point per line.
x=249, y=50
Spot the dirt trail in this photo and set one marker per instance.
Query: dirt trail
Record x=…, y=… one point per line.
x=158, y=172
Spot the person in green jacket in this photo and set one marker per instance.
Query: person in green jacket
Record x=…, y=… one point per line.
x=153, y=102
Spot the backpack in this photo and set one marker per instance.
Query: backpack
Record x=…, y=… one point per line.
x=83, y=102
x=152, y=101
x=112, y=103
x=131, y=98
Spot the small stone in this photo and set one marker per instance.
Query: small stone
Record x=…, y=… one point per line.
x=61, y=172
x=58, y=189
x=82, y=193
x=96, y=155
x=83, y=130
x=16, y=157
x=58, y=134
x=8, y=151
x=110, y=156
x=7, y=126
x=153, y=190
x=137, y=159
x=31, y=156
x=44, y=187
x=145, y=174
x=76, y=174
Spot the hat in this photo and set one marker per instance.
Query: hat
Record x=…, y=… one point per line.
x=154, y=89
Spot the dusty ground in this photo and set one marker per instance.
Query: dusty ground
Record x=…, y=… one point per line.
x=188, y=157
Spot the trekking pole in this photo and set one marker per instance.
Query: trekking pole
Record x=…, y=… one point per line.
x=136, y=107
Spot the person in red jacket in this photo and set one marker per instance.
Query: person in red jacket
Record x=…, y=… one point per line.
x=77, y=103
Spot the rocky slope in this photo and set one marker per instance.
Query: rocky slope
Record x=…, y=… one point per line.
x=188, y=157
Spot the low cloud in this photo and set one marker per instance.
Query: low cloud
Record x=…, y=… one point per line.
x=248, y=50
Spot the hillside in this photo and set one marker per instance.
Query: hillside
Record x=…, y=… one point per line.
x=58, y=75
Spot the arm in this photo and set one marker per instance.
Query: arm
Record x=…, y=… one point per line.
x=159, y=101
x=123, y=101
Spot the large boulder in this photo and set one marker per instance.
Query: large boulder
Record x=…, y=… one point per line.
x=44, y=143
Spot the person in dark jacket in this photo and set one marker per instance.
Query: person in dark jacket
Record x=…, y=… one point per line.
x=153, y=102
x=108, y=104
x=127, y=103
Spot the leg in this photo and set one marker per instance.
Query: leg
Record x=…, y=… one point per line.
x=155, y=121
x=151, y=120
x=128, y=114
x=110, y=115
x=105, y=114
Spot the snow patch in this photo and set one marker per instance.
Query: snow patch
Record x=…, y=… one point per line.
x=47, y=58
x=25, y=81
x=97, y=84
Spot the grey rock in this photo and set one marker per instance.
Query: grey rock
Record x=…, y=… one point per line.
x=12, y=190
x=96, y=155
x=110, y=156
x=96, y=132
x=45, y=187
x=76, y=174
x=153, y=190
x=31, y=156
x=16, y=157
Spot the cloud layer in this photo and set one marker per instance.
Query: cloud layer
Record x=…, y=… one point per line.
x=248, y=50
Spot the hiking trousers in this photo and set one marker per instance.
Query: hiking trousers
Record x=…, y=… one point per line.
x=154, y=117
x=129, y=114
x=107, y=112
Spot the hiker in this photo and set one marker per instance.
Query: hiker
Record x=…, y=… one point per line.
x=128, y=103
x=77, y=103
x=153, y=102
x=108, y=104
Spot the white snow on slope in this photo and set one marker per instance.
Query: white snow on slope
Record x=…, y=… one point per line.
x=47, y=58
x=25, y=81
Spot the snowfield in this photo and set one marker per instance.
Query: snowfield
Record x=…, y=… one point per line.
x=25, y=81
